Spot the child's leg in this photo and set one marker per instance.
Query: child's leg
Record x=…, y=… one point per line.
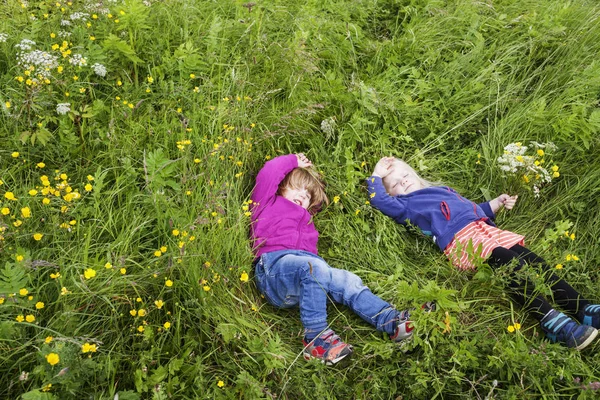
x=564, y=294
x=318, y=281
x=521, y=290
x=558, y=326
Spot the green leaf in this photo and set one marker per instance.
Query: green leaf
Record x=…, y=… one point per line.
x=121, y=47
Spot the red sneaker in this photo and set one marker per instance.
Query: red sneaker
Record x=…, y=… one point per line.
x=328, y=347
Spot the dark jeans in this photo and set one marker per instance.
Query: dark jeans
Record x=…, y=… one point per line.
x=522, y=290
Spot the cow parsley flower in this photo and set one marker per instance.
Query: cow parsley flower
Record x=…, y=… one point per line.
x=78, y=60
x=99, y=69
x=3, y=37
x=25, y=45
x=63, y=108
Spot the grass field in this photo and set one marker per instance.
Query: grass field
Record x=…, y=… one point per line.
x=131, y=135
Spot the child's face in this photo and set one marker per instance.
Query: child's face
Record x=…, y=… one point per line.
x=300, y=197
x=401, y=180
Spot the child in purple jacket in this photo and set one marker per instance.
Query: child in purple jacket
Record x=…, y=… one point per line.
x=289, y=272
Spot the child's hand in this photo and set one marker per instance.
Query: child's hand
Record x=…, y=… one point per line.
x=508, y=201
x=303, y=162
x=383, y=167
x=503, y=200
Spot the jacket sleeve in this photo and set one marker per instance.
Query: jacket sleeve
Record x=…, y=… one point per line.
x=391, y=206
x=487, y=209
x=271, y=175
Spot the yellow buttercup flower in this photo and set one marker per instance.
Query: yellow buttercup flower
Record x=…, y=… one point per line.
x=53, y=359
x=29, y=318
x=38, y=236
x=39, y=305
x=244, y=277
x=89, y=273
x=167, y=325
x=168, y=283
x=88, y=348
x=23, y=292
x=158, y=304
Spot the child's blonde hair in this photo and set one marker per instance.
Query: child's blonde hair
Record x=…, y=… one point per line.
x=307, y=178
x=424, y=182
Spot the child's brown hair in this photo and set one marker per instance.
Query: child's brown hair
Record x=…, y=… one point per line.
x=307, y=178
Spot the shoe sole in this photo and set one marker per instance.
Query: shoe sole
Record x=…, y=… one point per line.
x=587, y=341
x=343, y=360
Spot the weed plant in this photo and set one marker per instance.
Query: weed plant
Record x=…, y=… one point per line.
x=131, y=135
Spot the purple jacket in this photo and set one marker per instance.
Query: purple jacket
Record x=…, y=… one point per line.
x=277, y=223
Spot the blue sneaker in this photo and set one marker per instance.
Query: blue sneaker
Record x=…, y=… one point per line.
x=560, y=328
x=590, y=315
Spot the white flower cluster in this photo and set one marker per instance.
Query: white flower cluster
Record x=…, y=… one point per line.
x=42, y=61
x=79, y=16
x=64, y=34
x=529, y=167
x=514, y=157
x=65, y=22
x=78, y=60
x=328, y=126
x=99, y=69
x=63, y=108
x=3, y=37
x=25, y=45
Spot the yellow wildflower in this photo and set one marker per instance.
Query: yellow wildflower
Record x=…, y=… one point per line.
x=23, y=292
x=167, y=325
x=244, y=277
x=88, y=348
x=53, y=359
x=48, y=339
x=29, y=318
x=38, y=236
x=168, y=283
x=20, y=318
x=158, y=304
x=39, y=305
x=89, y=273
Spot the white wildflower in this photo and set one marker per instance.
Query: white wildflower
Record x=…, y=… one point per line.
x=25, y=45
x=64, y=34
x=40, y=61
x=328, y=126
x=65, y=22
x=79, y=15
x=78, y=60
x=529, y=168
x=63, y=108
x=3, y=37
x=99, y=69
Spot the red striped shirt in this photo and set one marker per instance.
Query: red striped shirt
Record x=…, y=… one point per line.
x=482, y=239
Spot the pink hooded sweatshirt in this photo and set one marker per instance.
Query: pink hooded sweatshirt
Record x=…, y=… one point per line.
x=278, y=223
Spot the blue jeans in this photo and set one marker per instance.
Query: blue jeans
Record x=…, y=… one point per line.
x=294, y=277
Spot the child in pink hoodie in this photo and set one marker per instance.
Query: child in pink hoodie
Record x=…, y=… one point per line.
x=288, y=271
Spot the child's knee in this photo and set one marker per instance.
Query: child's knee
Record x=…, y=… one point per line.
x=316, y=269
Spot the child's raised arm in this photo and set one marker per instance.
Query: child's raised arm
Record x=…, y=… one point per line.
x=379, y=198
x=273, y=172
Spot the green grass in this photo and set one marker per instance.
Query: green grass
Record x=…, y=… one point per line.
x=441, y=84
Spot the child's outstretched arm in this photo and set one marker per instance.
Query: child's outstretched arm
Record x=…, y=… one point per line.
x=503, y=200
x=379, y=198
x=273, y=172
